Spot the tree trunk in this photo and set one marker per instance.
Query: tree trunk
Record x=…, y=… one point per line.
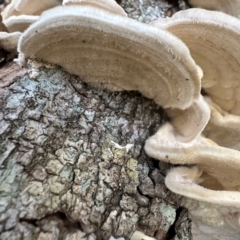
x=73, y=164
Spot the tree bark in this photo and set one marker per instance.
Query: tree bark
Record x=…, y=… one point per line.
x=73, y=164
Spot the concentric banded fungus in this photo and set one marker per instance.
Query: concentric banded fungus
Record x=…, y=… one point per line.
x=212, y=189
x=117, y=52
x=210, y=157
x=215, y=212
x=28, y=7
x=213, y=40
x=109, y=5
x=231, y=7
x=186, y=181
x=20, y=23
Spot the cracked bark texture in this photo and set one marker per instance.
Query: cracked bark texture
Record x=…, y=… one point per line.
x=73, y=164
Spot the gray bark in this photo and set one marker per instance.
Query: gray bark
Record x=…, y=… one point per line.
x=73, y=164
x=72, y=159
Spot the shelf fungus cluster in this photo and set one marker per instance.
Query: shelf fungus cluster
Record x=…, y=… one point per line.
x=169, y=61
x=219, y=58
x=16, y=18
x=231, y=7
x=211, y=186
x=28, y=7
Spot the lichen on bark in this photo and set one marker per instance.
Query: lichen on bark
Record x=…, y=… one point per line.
x=73, y=155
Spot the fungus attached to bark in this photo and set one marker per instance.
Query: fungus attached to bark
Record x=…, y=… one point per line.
x=213, y=40
x=109, y=5
x=187, y=182
x=231, y=7
x=116, y=52
x=211, y=189
x=210, y=157
x=213, y=210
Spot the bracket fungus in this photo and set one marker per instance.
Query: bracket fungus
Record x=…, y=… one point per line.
x=215, y=213
x=121, y=54
x=96, y=41
x=108, y=5
x=19, y=23
x=211, y=37
x=231, y=7
x=28, y=7
x=126, y=54
x=213, y=184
